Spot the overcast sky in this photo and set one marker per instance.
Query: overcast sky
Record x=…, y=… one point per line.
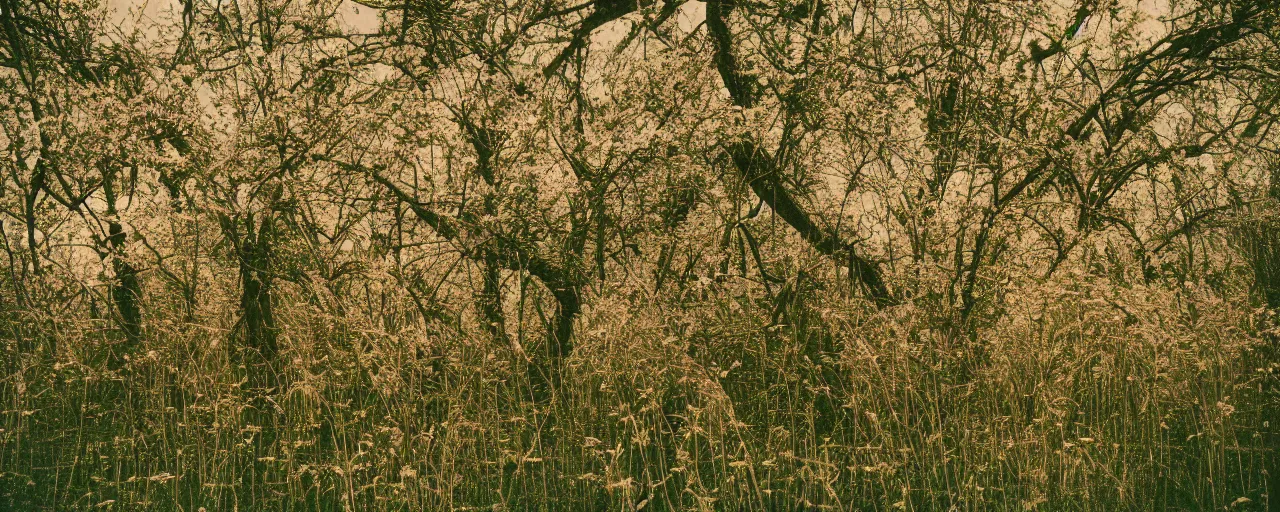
x=130, y=13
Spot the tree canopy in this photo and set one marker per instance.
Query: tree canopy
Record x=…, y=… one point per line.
x=529, y=176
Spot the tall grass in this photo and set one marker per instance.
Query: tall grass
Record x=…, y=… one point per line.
x=1088, y=396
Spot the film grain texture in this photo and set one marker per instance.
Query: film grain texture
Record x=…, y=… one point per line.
x=707, y=255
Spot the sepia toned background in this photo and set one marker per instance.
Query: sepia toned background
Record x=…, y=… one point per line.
x=639, y=255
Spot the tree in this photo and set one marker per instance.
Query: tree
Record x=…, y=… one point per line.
x=544, y=189
x=90, y=125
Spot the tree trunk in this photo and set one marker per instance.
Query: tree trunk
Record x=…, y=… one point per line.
x=546, y=376
x=258, y=351
x=126, y=290
x=257, y=303
x=490, y=305
x=568, y=305
x=257, y=327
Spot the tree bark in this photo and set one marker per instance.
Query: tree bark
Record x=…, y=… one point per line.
x=126, y=290
x=515, y=255
x=568, y=305
x=257, y=326
x=761, y=173
x=490, y=304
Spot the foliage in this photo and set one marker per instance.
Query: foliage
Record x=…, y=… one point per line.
x=464, y=255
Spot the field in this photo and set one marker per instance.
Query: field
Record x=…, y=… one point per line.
x=712, y=255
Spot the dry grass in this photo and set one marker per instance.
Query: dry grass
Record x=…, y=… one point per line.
x=1082, y=397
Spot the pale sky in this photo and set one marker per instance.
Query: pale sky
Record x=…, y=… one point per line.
x=128, y=14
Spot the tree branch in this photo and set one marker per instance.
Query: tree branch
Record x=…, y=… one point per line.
x=758, y=168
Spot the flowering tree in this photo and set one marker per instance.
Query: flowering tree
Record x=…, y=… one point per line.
x=90, y=126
